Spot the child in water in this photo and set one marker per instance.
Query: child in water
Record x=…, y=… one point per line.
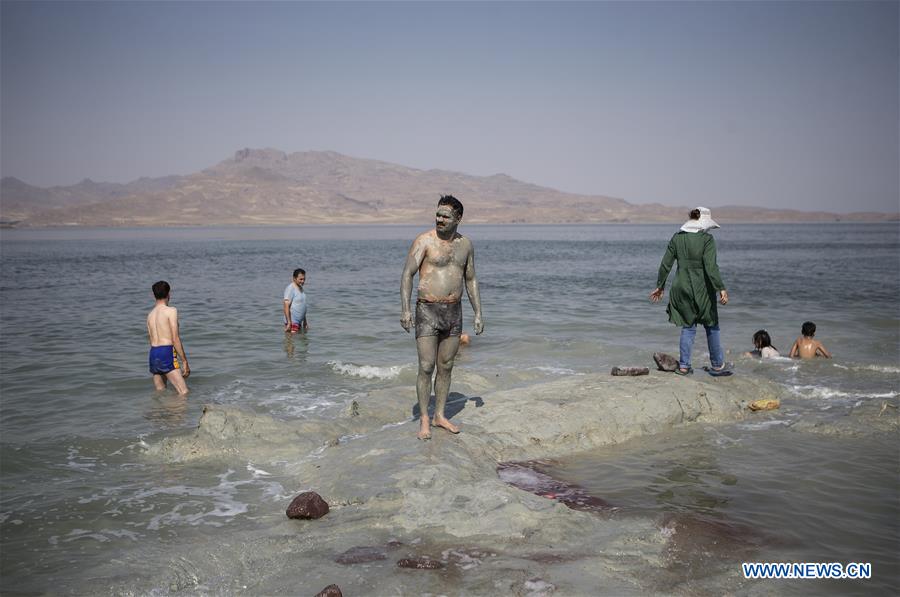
x=806, y=347
x=763, y=344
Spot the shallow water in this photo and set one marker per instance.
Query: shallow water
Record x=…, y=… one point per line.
x=756, y=492
x=78, y=407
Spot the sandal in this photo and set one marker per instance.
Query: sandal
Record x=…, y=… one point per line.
x=683, y=372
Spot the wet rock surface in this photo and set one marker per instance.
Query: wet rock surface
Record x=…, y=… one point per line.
x=391, y=495
x=629, y=371
x=420, y=563
x=309, y=505
x=361, y=555
x=330, y=591
x=665, y=362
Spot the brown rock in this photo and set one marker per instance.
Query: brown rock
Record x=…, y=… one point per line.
x=630, y=371
x=308, y=505
x=423, y=563
x=665, y=362
x=330, y=591
x=360, y=555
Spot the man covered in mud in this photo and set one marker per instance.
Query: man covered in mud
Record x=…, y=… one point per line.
x=445, y=261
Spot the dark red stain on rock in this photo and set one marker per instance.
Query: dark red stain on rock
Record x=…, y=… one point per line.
x=533, y=479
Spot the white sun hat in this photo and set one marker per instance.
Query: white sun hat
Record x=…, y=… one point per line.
x=704, y=223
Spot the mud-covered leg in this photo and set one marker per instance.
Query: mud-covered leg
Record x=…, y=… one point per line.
x=446, y=354
x=427, y=347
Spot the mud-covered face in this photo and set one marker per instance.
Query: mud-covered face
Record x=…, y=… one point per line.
x=445, y=219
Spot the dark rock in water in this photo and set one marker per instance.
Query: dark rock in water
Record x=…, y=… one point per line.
x=330, y=591
x=423, y=563
x=665, y=362
x=308, y=505
x=394, y=544
x=360, y=555
x=622, y=371
x=696, y=539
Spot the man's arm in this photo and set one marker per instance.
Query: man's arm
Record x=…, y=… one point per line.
x=287, y=314
x=413, y=261
x=176, y=341
x=795, y=349
x=472, y=290
x=820, y=348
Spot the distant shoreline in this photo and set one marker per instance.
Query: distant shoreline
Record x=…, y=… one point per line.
x=891, y=219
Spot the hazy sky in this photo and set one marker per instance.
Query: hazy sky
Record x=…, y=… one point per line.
x=758, y=103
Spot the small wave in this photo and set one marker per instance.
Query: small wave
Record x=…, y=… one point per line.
x=764, y=424
x=367, y=371
x=825, y=392
x=257, y=472
x=878, y=368
x=554, y=370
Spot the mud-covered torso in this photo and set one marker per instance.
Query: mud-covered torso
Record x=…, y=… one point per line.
x=443, y=266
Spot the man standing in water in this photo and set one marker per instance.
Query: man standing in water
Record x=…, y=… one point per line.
x=165, y=343
x=444, y=260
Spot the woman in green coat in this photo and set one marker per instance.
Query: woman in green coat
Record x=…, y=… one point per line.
x=694, y=292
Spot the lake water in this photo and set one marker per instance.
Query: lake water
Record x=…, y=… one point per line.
x=78, y=405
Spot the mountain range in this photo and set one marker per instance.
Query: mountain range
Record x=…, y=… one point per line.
x=268, y=187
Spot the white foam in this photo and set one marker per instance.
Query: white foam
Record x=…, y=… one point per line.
x=73, y=458
x=367, y=371
x=764, y=424
x=826, y=393
x=203, y=505
x=554, y=370
x=538, y=588
x=257, y=472
x=879, y=368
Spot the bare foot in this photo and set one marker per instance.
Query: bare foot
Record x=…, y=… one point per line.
x=446, y=424
x=424, y=430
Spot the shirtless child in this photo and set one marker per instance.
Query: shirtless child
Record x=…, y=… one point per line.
x=165, y=343
x=445, y=262
x=806, y=347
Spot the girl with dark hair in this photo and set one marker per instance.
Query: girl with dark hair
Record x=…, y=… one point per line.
x=763, y=344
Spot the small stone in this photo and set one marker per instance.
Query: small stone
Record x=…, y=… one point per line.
x=764, y=404
x=423, y=563
x=360, y=555
x=307, y=505
x=330, y=591
x=631, y=371
x=665, y=362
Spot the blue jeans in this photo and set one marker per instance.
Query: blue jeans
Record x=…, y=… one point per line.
x=713, y=341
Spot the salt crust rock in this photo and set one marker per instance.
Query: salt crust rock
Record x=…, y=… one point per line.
x=383, y=484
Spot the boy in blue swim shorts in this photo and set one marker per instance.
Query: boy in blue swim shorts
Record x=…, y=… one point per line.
x=295, y=303
x=168, y=361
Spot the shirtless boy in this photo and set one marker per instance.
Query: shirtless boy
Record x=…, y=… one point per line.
x=806, y=347
x=165, y=344
x=445, y=261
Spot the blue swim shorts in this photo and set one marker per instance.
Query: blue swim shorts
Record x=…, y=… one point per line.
x=163, y=359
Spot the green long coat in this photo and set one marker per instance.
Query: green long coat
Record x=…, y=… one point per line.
x=697, y=281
